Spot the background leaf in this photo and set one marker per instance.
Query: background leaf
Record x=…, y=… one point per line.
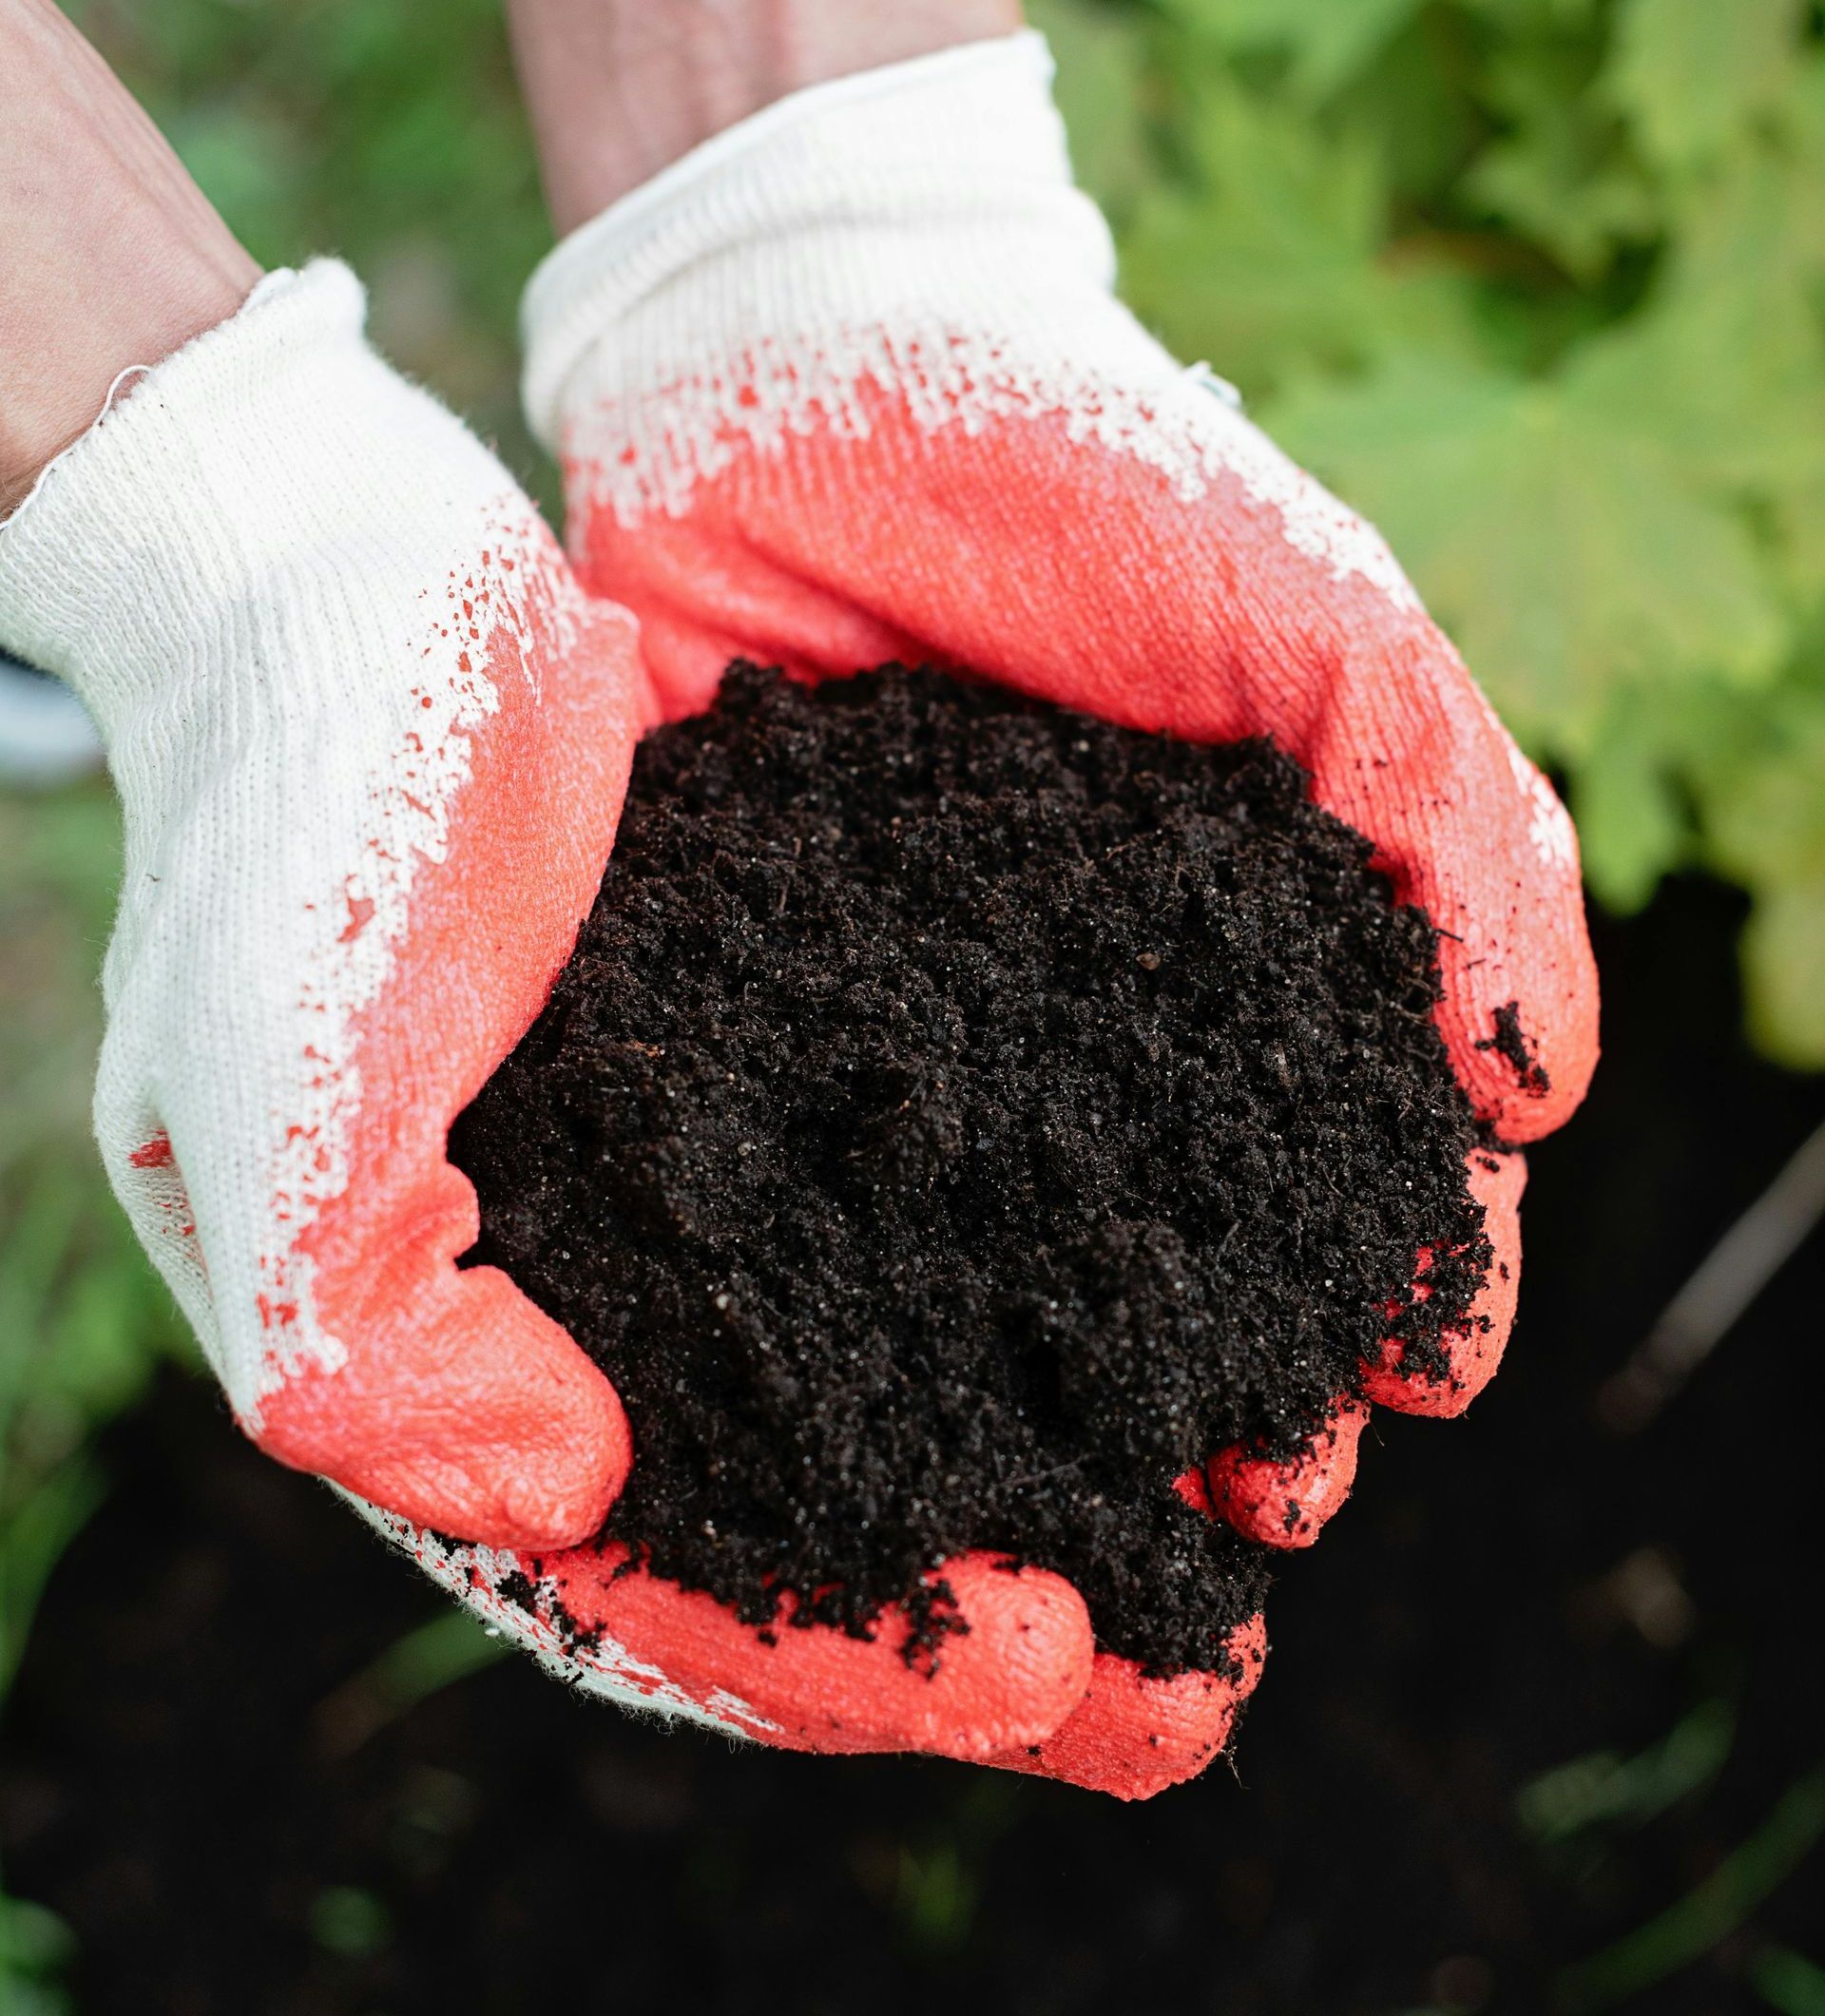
x=1568, y=553
x=1325, y=44
x=1104, y=94
x=1689, y=73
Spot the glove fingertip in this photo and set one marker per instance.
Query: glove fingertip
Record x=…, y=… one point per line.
x=1287, y=1505
x=1521, y=1027
x=1475, y=1349
x=1133, y=1737
x=474, y=1416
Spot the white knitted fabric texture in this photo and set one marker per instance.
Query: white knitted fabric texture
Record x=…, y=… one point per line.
x=250, y=570
x=605, y=1669
x=913, y=227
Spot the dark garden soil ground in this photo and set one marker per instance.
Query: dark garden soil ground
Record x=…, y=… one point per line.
x=958, y=1120
x=1505, y=1593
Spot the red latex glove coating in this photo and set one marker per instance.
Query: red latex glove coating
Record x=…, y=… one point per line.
x=1024, y=1664
x=1284, y=1504
x=1134, y=1737
x=463, y=1406
x=1085, y=578
x=1496, y=1182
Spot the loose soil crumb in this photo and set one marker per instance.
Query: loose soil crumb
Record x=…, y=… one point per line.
x=958, y=1118
x=1509, y=1042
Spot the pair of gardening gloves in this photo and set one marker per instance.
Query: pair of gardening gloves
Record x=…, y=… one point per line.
x=849, y=384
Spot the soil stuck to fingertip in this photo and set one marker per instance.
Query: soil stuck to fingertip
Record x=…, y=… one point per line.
x=958, y=1118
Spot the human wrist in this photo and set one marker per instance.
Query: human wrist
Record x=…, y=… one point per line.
x=69, y=367
x=618, y=89
x=114, y=256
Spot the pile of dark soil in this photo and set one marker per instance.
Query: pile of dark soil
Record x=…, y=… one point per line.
x=958, y=1118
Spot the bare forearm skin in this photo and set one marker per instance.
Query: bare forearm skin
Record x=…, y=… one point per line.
x=618, y=89
x=113, y=256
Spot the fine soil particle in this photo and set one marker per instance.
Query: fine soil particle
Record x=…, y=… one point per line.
x=1509, y=1042
x=958, y=1118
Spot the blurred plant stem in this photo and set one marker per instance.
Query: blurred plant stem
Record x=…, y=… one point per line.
x=1688, y=1930
x=1603, y=1788
x=436, y=1655
x=1789, y=1982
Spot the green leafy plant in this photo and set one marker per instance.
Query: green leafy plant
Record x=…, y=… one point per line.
x=1537, y=285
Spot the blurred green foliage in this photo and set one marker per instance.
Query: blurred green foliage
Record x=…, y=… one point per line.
x=1537, y=285
x=1790, y=1983
x=1710, y=1912
x=83, y=1320
x=1602, y=1788
x=36, y=1949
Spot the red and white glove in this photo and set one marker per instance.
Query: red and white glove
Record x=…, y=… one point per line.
x=848, y=384
x=371, y=742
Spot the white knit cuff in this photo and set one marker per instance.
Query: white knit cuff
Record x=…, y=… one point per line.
x=835, y=192
x=265, y=465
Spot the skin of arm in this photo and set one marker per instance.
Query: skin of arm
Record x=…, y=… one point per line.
x=618, y=89
x=113, y=255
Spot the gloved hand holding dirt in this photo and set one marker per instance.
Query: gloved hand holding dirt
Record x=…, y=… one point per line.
x=1006, y=1119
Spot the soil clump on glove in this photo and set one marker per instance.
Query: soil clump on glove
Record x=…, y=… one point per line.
x=959, y=1119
